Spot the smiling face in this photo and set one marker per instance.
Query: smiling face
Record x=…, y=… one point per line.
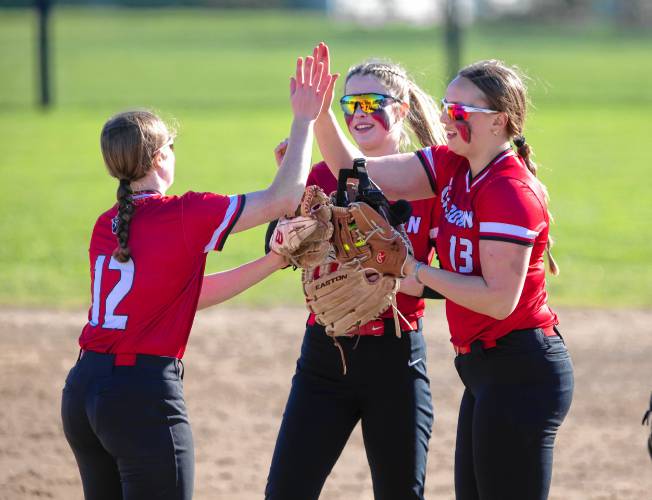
x=480, y=130
x=377, y=133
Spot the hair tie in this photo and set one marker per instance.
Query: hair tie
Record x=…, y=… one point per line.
x=519, y=141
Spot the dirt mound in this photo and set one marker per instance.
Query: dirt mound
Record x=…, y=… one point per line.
x=238, y=369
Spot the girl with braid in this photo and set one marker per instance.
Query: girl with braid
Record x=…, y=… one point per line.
x=386, y=387
x=492, y=235
x=123, y=410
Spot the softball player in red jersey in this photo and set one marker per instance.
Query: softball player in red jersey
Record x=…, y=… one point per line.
x=123, y=410
x=492, y=234
x=386, y=385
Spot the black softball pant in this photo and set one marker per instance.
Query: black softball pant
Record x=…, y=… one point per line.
x=517, y=395
x=386, y=389
x=128, y=428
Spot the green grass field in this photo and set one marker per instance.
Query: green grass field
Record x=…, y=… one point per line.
x=223, y=76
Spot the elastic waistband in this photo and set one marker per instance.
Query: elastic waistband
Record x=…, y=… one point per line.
x=380, y=326
x=548, y=331
x=123, y=359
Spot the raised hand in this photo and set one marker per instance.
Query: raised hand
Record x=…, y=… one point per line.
x=321, y=55
x=308, y=87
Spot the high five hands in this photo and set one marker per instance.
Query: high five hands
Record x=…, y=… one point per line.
x=311, y=89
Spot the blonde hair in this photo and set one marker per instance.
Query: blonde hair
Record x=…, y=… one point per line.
x=505, y=91
x=129, y=142
x=423, y=115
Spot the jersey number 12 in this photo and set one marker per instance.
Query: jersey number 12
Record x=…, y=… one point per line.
x=115, y=296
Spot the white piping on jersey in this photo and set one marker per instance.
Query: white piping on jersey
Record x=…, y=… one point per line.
x=433, y=233
x=508, y=229
x=144, y=195
x=431, y=160
x=507, y=153
x=233, y=205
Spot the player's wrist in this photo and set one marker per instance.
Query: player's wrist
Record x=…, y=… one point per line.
x=417, y=267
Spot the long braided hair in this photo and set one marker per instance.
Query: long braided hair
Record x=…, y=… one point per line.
x=422, y=119
x=505, y=91
x=129, y=141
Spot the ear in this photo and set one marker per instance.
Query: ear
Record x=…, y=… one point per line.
x=402, y=111
x=499, y=122
x=159, y=158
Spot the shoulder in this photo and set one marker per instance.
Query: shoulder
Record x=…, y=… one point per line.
x=320, y=175
x=438, y=158
x=514, y=182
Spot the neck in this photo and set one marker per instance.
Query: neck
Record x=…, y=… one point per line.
x=146, y=184
x=382, y=150
x=479, y=161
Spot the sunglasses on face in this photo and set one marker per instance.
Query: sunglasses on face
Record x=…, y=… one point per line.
x=169, y=142
x=460, y=111
x=368, y=102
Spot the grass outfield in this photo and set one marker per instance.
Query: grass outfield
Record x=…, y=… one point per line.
x=223, y=76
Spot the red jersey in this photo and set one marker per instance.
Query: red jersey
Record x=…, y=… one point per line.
x=504, y=202
x=147, y=305
x=421, y=229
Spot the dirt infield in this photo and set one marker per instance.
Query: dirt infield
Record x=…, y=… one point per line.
x=237, y=383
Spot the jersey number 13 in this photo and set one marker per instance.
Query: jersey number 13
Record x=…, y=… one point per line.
x=465, y=254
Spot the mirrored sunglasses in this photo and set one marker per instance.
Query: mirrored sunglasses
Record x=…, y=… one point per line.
x=460, y=111
x=368, y=102
x=169, y=142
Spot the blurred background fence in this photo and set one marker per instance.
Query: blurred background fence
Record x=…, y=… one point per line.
x=219, y=69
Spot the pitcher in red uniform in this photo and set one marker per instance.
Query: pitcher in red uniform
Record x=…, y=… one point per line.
x=123, y=410
x=492, y=235
x=386, y=387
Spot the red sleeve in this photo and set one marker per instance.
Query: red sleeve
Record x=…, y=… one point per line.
x=208, y=219
x=440, y=165
x=427, y=158
x=508, y=210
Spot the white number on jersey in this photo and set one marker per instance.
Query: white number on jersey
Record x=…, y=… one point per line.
x=466, y=253
x=120, y=290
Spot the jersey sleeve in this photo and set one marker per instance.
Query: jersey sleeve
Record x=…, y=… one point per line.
x=427, y=158
x=508, y=210
x=208, y=218
x=440, y=165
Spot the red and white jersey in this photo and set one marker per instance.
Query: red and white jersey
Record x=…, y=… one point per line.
x=147, y=305
x=421, y=229
x=504, y=202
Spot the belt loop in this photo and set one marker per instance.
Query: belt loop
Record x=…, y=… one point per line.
x=79, y=356
x=554, y=327
x=181, y=370
x=478, y=348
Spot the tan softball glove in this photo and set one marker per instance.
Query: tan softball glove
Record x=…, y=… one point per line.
x=348, y=297
x=362, y=235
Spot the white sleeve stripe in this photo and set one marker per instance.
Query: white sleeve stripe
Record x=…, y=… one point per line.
x=507, y=229
x=230, y=212
x=433, y=233
x=428, y=153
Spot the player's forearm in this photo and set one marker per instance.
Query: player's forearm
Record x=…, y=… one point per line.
x=399, y=175
x=222, y=286
x=335, y=147
x=288, y=185
x=471, y=292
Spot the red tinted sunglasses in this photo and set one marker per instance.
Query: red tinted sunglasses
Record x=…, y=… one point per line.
x=460, y=111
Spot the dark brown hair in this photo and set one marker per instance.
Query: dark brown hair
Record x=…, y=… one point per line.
x=129, y=142
x=504, y=89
